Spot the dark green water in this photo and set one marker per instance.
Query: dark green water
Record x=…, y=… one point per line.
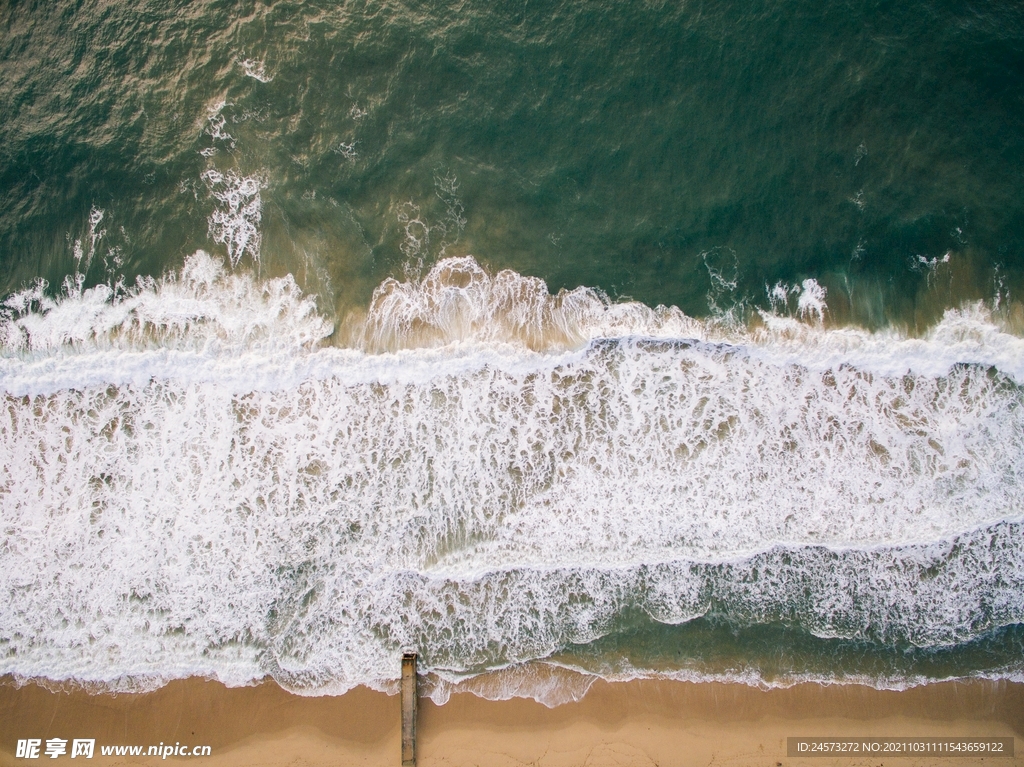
x=630, y=146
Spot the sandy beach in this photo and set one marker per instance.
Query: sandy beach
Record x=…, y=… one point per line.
x=635, y=723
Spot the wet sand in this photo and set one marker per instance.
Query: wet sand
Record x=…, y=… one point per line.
x=635, y=723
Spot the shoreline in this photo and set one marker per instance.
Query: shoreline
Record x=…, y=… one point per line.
x=643, y=722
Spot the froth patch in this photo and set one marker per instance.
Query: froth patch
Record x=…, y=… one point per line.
x=968, y=335
x=549, y=684
x=256, y=69
x=236, y=221
x=201, y=307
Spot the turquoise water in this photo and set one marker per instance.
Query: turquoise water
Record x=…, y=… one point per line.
x=674, y=338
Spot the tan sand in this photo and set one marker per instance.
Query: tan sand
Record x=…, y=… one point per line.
x=635, y=723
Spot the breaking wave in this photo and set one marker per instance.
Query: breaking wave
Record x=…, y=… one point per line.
x=196, y=480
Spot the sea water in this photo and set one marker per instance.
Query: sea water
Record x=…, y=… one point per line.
x=553, y=341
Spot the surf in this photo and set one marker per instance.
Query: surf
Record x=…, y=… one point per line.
x=202, y=477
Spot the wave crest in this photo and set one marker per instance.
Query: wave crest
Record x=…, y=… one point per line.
x=458, y=301
x=200, y=307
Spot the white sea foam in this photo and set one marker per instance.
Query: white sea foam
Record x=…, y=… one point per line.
x=84, y=255
x=215, y=125
x=548, y=683
x=236, y=221
x=193, y=483
x=555, y=683
x=256, y=69
x=200, y=308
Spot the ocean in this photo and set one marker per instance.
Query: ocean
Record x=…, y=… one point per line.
x=552, y=340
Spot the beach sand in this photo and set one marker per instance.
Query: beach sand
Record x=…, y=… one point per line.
x=631, y=723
